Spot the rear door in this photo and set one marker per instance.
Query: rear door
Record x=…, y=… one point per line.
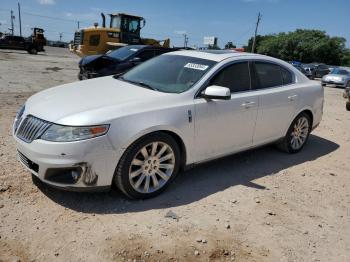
x=278, y=99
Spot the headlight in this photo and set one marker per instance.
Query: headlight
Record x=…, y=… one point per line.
x=18, y=117
x=20, y=112
x=58, y=133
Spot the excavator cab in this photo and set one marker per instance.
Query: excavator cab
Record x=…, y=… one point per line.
x=128, y=25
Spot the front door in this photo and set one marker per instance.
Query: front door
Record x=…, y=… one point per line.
x=226, y=126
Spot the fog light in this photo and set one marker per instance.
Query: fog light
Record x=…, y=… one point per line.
x=69, y=175
x=75, y=175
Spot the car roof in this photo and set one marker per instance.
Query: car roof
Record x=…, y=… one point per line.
x=216, y=55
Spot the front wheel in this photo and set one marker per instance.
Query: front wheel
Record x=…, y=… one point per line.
x=148, y=166
x=297, y=135
x=33, y=51
x=348, y=105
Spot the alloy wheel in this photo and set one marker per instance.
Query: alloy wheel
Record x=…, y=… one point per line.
x=151, y=167
x=300, y=133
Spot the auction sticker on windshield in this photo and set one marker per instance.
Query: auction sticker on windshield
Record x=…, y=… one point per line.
x=196, y=66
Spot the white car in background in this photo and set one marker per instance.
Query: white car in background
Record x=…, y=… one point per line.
x=179, y=109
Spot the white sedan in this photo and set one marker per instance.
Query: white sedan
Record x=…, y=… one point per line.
x=138, y=130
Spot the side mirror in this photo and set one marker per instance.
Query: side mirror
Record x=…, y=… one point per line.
x=217, y=92
x=135, y=60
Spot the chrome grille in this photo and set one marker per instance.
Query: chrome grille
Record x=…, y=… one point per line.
x=28, y=163
x=32, y=128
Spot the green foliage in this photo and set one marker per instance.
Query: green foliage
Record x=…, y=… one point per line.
x=304, y=45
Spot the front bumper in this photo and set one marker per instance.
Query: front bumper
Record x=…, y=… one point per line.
x=94, y=161
x=84, y=74
x=333, y=82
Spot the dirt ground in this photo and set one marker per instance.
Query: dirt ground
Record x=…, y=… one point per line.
x=261, y=205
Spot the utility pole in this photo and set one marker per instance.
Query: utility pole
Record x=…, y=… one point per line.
x=185, y=40
x=12, y=26
x=61, y=37
x=19, y=18
x=256, y=31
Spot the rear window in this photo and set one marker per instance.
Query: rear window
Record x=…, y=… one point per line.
x=287, y=76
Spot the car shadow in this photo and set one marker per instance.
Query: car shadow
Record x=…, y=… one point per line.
x=14, y=51
x=199, y=182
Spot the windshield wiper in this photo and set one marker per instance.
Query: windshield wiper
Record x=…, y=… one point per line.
x=140, y=83
x=145, y=85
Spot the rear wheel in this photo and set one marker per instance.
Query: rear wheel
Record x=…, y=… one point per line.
x=33, y=51
x=148, y=166
x=297, y=135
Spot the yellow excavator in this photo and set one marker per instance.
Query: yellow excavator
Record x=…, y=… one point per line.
x=124, y=29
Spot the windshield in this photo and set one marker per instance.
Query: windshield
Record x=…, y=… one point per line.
x=338, y=71
x=169, y=73
x=124, y=53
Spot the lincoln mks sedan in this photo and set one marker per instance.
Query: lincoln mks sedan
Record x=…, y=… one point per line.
x=138, y=130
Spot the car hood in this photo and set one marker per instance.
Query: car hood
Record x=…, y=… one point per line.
x=335, y=76
x=92, y=101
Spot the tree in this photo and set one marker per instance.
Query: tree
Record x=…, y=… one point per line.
x=230, y=45
x=304, y=45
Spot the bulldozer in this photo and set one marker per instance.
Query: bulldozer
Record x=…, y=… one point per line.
x=124, y=29
x=38, y=38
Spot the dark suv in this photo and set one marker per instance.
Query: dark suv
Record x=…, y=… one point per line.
x=316, y=70
x=118, y=61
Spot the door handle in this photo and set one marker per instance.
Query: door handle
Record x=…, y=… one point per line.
x=248, y=104
x=292, y=98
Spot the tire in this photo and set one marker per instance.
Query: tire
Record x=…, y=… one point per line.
x=80, y=76
x=33, y=51
x=302, y=125
x=348, y=105
x=140, y=166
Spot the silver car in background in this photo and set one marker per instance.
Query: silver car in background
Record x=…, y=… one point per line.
x=338, y=77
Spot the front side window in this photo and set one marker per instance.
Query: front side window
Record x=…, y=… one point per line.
x=268, y=75
x=236, y=77
x=169, y=73
x=94, y=40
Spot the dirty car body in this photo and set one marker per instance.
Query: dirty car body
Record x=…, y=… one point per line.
x=171, y=112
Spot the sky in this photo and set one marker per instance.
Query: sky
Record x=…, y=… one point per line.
x=229, y=20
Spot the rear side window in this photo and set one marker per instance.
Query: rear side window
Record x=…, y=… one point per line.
x=236, y=77
x=287, y=76
x=268, y=75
